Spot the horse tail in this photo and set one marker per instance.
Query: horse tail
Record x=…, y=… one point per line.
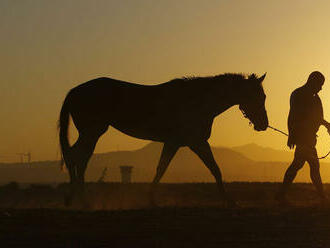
x=63, y=126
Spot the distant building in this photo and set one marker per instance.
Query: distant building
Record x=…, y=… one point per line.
x=126, y=173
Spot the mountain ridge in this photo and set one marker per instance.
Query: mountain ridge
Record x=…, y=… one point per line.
x=185, y=167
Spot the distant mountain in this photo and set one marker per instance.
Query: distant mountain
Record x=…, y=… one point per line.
x=259, y=153
x=185, y=166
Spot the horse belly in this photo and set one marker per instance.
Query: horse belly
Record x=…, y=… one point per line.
x=168, y=129
x=143, y=129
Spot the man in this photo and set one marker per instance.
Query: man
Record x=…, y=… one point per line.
x=305, y=118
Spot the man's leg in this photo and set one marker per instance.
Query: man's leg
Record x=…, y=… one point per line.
x=290, y=174
x=314, y=165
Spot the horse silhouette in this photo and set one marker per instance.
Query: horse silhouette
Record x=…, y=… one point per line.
x=177, y=113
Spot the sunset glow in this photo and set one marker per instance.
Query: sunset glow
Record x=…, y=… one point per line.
x=48, y=48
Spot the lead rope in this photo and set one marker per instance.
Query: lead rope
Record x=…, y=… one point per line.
x=277, y=130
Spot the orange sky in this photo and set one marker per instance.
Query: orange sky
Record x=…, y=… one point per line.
x=48, y=47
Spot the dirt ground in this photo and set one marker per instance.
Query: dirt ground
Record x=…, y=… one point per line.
x=188, y=215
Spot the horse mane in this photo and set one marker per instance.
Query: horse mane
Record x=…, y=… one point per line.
x=220, y=77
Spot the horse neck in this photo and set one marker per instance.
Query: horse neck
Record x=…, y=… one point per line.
x=228, y=95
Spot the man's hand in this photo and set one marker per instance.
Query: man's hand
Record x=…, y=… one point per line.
x=291, y=142
x=327, y=125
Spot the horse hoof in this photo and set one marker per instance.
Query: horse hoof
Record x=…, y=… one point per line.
x=231, y=204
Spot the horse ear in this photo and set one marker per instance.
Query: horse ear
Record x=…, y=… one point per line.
x=262, y=78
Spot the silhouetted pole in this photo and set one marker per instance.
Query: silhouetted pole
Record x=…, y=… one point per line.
x=126, y=173
x=104, y=173
x=27, y=155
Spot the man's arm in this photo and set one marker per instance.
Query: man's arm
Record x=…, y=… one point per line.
x=323, y=122
x=292, y=120
x=326, y=124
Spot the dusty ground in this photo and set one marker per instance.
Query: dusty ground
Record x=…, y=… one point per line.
x=189, y=215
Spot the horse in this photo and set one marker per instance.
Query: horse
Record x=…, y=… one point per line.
x=177, y=113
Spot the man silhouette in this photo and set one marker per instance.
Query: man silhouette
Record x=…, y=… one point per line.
x=305, y=118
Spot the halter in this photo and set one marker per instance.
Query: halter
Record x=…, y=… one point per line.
x=245, y=116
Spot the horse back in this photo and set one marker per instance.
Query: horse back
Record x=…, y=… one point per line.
x=148, y=112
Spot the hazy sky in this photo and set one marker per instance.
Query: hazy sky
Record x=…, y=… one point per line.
x=48, y=47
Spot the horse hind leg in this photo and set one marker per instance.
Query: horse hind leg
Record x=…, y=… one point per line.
x=85, y=147
x=71, y=167
x=82, y=151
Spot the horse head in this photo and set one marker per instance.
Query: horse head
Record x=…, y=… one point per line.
x=252, y=102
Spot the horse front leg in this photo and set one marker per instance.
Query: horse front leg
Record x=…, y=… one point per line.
x=168, y=153
x=204, y=152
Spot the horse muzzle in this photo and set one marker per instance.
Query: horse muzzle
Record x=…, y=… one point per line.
x=261, y=125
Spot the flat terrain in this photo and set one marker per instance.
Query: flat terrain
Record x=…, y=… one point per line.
x=188, y=215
